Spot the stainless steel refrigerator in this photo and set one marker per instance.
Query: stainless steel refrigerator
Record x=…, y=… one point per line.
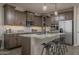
x=67, y=29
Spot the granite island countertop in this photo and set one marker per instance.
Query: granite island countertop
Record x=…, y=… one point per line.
x=42, y=36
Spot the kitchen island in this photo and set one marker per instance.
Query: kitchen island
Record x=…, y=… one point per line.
x=31, y=43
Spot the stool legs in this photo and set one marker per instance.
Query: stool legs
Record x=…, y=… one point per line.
x=47, y=51
x=42, y=51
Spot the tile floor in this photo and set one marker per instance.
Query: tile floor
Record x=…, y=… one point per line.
x=17, y=51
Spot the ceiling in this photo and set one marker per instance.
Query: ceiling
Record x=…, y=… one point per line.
x=38, y=7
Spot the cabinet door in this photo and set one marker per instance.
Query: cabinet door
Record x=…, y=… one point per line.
x=69, y=15
x=37, y=21
x=12, y=42
x=23, y=19
x=18, y=40
x=6, y=43
x=17, y=18
x=9, y=15
x=20, y=18
x=48, y=21
x=26, y=46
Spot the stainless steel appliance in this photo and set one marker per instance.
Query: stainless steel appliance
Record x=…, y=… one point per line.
x=67, y=29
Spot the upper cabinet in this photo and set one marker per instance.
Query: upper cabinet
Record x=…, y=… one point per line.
x=9, y=14
x=69, y=15
x=29, y=15
x=20, y=18
x=37, y=21
x=66, y=15
x=32, y=19
x=14, y=17
x=46, y=21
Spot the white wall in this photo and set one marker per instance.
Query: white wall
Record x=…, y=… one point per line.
x=1, y=25
x=1, y=15
x=76, y=25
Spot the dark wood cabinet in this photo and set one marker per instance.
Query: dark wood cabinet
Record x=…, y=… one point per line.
x=14, y=17
x=69, y=15
x=62, y=16
x=18, y=40
x=46, y=21
x=11, y=41
x=9, y=14
x=37, y=21
x=66, y=15
x=20, y=18
x=26, y=45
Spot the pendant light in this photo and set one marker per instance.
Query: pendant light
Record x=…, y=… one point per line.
x=56, y=12
x=44, y=7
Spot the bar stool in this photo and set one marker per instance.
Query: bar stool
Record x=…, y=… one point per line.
x=55, y=47
x=50, y=47
x=46, y=46
x=63, y=44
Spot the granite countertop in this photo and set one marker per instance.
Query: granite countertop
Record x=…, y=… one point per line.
x=42, y=36
x=28, y=32
x=17, y=33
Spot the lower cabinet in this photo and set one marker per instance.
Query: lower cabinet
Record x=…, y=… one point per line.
x=18, y=39
x=11, y=41
x=26, y=45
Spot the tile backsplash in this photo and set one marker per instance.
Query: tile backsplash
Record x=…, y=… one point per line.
x=23, y=29
x=17, y=29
